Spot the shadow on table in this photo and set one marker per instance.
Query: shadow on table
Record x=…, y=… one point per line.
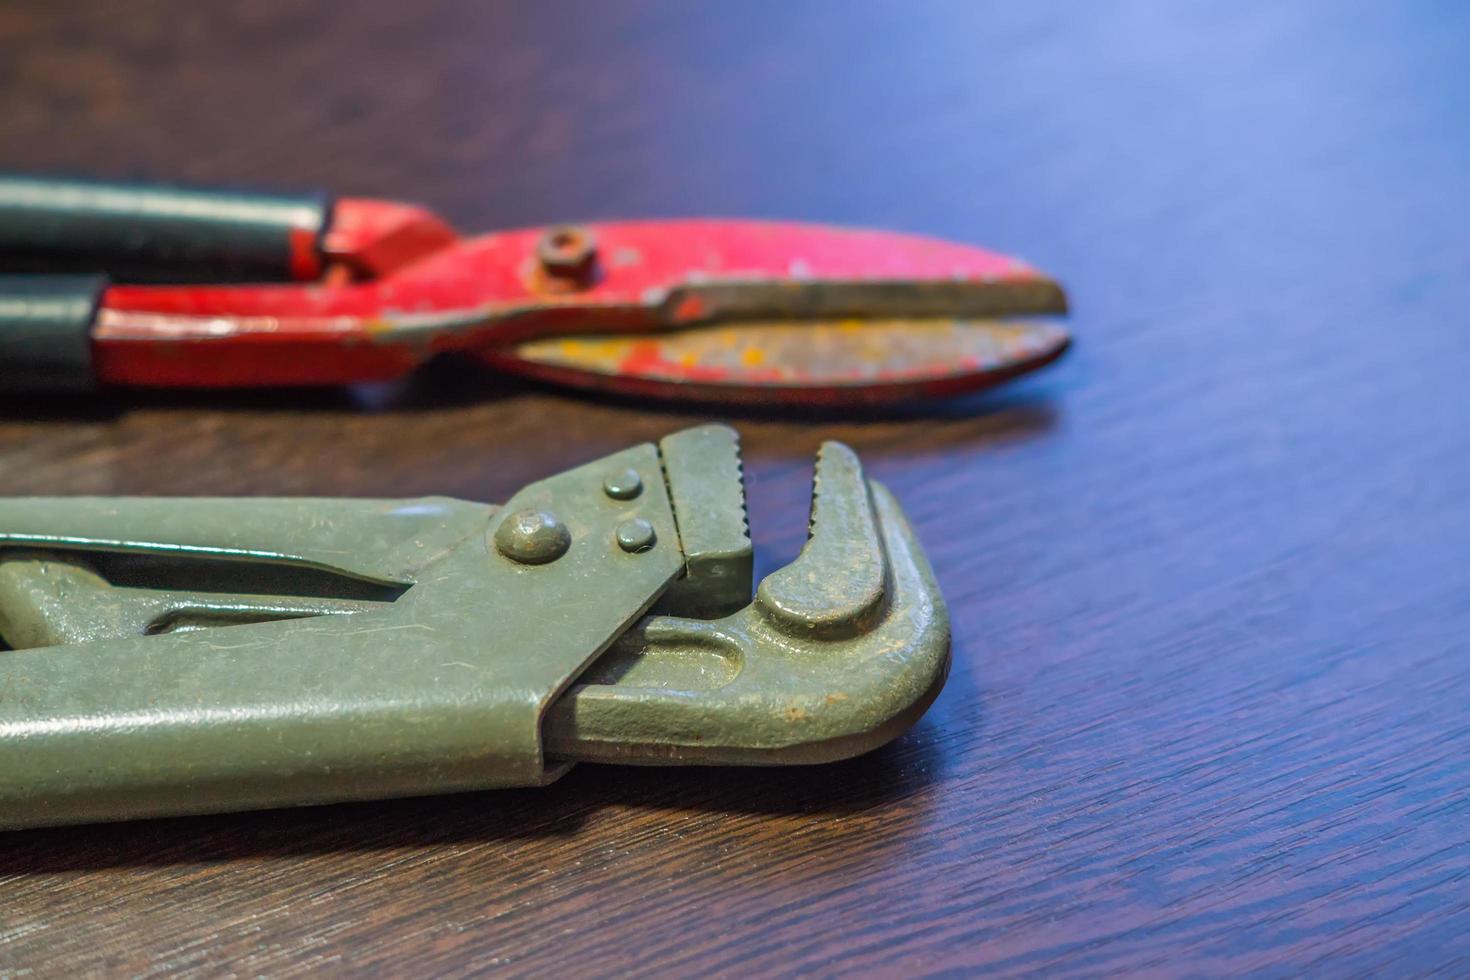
x=453, y=383
x=893, y=774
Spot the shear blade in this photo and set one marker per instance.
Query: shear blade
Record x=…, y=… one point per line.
x=753, y=311
x=835, y=361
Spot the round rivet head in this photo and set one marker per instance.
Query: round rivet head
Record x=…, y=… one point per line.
x=636, y=535
x=532, y=537
x=569, y=252
x=623, y=486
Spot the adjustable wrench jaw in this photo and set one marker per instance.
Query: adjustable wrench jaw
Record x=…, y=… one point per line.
x=839, y=653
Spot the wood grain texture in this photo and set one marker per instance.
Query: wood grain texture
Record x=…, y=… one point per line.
x=1208, y=577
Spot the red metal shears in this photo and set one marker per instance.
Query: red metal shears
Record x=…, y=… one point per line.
x=198, y=288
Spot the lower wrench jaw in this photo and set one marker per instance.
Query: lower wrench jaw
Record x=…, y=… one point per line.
x=822, y=751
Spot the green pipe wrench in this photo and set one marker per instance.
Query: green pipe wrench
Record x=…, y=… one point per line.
x=179, y=656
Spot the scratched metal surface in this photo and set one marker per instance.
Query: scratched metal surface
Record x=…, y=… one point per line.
x=1208, y=578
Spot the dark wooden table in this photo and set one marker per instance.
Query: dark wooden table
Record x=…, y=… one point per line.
x=1210, y=577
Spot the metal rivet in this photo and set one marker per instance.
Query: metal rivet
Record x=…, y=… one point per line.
x=532, y=537
x=568, y=251
x=636, y=535
x=623, y=486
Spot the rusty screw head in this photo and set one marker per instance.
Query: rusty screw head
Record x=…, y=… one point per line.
x=568, y=252
x=532, y=537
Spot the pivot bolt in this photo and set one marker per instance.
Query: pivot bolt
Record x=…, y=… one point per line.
x=532, y=537
x=568, y=252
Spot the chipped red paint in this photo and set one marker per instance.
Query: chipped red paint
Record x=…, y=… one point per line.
x=401, y=286
x=375, y=238
x=306, y=256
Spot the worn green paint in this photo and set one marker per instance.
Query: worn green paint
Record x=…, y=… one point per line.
x=707, y=484
x=378, y=648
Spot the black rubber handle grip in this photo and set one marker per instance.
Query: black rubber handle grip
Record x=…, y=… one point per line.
x=146, y=233
x=46, y=332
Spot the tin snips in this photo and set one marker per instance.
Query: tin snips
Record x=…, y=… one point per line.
x=126, y=285
x=174, y=656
